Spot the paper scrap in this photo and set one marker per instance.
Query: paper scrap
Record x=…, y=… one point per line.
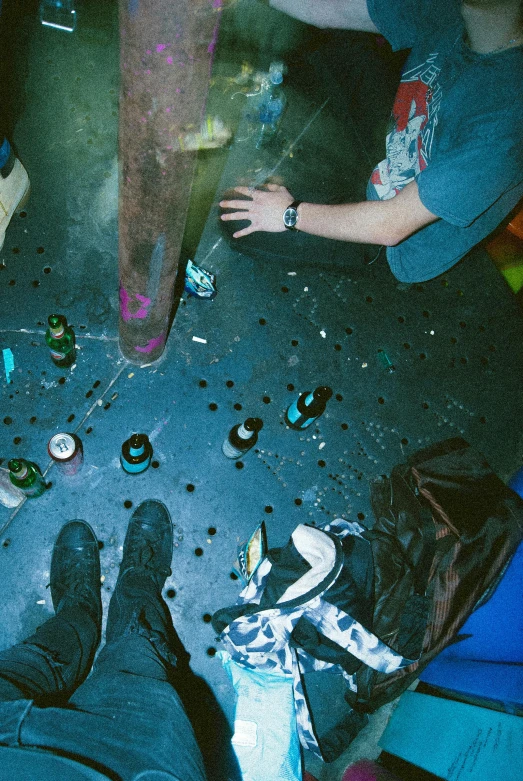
x=9, y=363
x=198, y=339
x=324, y=334
x=10, y=495
x=245, y=733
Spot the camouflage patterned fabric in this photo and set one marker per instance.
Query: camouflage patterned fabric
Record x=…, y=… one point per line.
x=261, y=640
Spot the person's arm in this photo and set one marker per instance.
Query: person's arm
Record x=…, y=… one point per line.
x=341, y=14
x=369, y=222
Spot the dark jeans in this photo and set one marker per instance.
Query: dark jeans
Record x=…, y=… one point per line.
x=126, y=718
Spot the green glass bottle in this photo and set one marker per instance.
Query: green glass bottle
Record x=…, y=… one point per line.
x=60, y=340
x=27, y=477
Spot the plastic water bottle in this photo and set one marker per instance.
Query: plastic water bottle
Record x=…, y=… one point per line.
x=271, y=106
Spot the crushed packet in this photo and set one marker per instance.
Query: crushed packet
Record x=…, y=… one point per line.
x=251, y=553
x=199, y=282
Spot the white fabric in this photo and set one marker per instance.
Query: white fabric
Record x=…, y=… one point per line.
x=318, y=549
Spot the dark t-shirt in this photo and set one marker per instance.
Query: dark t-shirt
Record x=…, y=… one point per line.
x=456, y=128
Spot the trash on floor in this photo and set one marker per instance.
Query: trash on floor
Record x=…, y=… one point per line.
x=60, y=14
x=199, y=282
x=385, y=361
x=212, y=134
x=10, y=495
x=9, y=363
x=251, y=553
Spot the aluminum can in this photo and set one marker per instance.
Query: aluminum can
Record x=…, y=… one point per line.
x=67, y=452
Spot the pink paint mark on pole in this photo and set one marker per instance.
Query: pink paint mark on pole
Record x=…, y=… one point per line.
x=152, y=344
x=124, y=303
x=143, y=299
x=169, y=60
x=160, y=47
x=125, y=300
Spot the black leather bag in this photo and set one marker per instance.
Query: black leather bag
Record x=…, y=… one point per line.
x=446, y=528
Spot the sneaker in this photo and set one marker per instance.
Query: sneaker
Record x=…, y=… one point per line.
x=148, y=546
x=75, y=570
x=14, y=192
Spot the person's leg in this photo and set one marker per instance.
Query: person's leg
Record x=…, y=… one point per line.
x=50, y=664
x=126, y=718
x=134, y=679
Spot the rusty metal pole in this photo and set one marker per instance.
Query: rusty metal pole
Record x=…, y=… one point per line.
x=166, y=55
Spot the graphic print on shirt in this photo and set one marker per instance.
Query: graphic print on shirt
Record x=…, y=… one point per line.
x=414, y=119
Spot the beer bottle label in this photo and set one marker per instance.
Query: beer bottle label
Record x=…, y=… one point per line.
x=229, y=450
x=296, y=418
x=135, y=468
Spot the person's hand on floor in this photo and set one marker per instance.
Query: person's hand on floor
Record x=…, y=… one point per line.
x=264, y=208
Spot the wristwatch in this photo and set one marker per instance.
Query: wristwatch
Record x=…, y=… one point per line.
x=290, y=215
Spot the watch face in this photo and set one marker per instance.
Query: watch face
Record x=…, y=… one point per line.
x=290, y=217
